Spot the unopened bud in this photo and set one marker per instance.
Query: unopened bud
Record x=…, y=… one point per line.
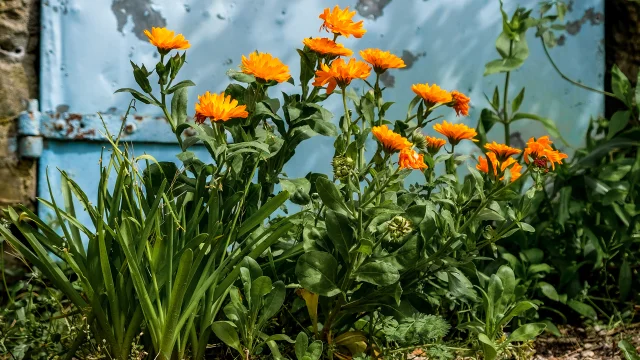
x=398, y=227
x=342, y=167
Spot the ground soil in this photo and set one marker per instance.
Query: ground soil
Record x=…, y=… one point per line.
x=579, y=343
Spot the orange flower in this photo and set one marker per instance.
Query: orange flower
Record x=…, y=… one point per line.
x=265, y=67
x=341, y=73
x=217, y=107
x=509, y=164
x=541, y=152
x=455, y=132
x=434, y=144
x=391, y=142
x=432, y=94
x=502, y=151
x=460, y=103
x=339, y=22
x=410, y=159
x=166, y=40
x=382, y=60
x=325, y=46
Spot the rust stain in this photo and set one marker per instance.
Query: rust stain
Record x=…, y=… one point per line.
x=86, y=134
x=138, y=117
x=69, y=130
x=590, y=15
x=73, y=116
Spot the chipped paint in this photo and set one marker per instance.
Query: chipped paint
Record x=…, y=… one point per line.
x=409, y=58
x=371, y=9
x=141, y=12
x=590, y=15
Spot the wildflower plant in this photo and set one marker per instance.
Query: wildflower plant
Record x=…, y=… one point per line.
x=171, y=247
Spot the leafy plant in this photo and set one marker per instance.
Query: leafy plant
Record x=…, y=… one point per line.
x=499, y=309
x=248, y=312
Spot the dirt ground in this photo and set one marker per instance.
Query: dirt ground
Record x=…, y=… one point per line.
x=587, y=343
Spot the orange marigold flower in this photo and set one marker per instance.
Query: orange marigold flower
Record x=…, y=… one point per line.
x=340, y=22
x=382, y=60
x=502, y=151
x=341, y=73
x=410, y=159
x=391, y=142
x=265, y=67
x=541, y=152
x=432, y=94
x=434, y=144
x=166, y=40
x=325, y=46
x=455, y=132
x=510, y=164
x=217, y=107
x=460, y=103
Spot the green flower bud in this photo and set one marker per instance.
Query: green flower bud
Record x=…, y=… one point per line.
x=398, y=227
x=342, y=167
x=419, y=140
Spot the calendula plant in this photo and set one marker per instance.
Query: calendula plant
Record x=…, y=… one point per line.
x=371, y=243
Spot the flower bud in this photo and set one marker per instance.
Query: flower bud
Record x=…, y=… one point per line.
x=418, y=140
x=342, y=167
x=398, y=227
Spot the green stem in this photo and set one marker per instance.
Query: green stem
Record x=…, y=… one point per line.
x=506, y=119
x=546, y=51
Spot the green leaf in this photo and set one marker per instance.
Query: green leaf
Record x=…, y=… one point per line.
x=377, y=273
x=488, y=347
x=139, y=96
x=264, y=212
x=488, y=214
x=526, y=227
x=314, y=352
x=520, y=308
x=316, y=271
x=302, y=343
x=226, y=331
x=515, y=105
x=618, y=122
x=179, y=104
x=526, y=332
x=628, y=350
x=240, y=76
x=331, y=197
x=625, y=279
x=583, y=309
x=502, y=65
x=508, y=279
x=181, y=85
x=298, y=188
x=620, y=85
x=549, y=291
x=548, y=124
x=340, y=232
x=552, y=328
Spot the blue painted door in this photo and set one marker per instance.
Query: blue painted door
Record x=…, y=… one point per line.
x=87, y=45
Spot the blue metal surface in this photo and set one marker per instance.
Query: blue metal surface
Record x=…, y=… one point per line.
x=87, y=45
x=29, y=121
x=30, y=147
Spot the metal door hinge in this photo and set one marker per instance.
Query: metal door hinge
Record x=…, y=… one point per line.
x=29, y=137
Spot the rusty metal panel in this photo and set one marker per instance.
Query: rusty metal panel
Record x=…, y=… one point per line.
x=87, y=45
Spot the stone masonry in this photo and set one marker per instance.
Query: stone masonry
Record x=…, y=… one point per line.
x=19, y=32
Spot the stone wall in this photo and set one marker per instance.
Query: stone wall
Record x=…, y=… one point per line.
x=19, y=32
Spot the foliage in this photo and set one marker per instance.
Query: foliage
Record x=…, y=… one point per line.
x=381, y=267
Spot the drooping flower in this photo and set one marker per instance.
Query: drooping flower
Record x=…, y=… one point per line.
x=325, y=46
x=341, y=73
x=455, y=132
x=541, y=152
x=510, y=164
x=264, y=66
x=339, y=21
x=382, y=60
x=502, y=151
x=434, y=144
x=432, y=94
x=218, y=107
x=410, y=159
x=391, y=142
x=166, y=40
x=460, y=103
